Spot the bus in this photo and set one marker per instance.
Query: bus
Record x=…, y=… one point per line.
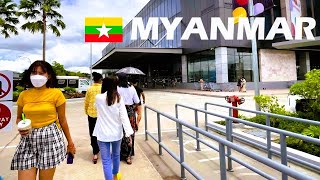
x=80, y=84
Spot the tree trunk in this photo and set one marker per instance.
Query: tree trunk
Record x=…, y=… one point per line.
x=44, y=37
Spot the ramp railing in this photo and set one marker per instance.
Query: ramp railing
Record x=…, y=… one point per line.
x=268, y=146
x=286, y=171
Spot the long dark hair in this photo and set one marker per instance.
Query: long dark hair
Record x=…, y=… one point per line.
x=46, y=67
x=109, y=85
x=123, y=80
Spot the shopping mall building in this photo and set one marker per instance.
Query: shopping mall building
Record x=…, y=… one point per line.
x=220, y=61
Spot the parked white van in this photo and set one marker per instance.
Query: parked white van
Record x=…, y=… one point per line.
x=80, y=84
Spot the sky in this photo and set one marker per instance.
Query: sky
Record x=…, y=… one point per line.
x=70, y=50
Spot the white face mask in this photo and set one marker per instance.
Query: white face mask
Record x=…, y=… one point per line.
x=38, y=80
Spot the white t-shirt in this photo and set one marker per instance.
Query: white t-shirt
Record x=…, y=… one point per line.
x=111, y=120
x=129, y=95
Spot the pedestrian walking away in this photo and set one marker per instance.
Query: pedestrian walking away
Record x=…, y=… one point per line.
x=239, y=84
x=138, y=108
x=91, y=112
x=112, y=120
x=41, y=147
x=131, y=99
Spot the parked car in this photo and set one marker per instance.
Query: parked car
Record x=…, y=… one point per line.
x=80, y=84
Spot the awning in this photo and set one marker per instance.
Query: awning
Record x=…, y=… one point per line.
x=307, y=45
x=122, y=57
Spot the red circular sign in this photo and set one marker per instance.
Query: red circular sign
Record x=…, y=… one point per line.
x=5, y=116
x=3, y=93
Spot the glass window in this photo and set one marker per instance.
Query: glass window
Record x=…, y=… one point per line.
x=179, y=35
x=202, y=66
x=239, y=64
x=169, y=8
x=174, y=7
x=178, y=5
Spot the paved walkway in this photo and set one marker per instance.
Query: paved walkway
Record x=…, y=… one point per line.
x=82, y=167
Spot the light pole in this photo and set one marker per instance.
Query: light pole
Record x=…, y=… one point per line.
x=255, y=67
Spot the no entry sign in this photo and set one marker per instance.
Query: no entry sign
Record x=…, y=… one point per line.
x=5, y=116
x=6, y=78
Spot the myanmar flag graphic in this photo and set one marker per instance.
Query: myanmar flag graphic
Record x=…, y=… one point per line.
x=103, y=29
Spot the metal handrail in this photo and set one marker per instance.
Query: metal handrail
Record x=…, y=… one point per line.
x=222, y=143
x=229, y=137
x=268, y=115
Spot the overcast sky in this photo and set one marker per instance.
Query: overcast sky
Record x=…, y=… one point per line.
x=69, y=49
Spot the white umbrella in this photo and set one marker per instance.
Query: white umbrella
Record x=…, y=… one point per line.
x=130, y=70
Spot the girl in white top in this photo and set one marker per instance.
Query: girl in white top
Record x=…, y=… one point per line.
x=130, y=98
x=112, y=119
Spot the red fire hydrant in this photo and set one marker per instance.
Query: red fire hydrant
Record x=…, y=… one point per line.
x=234, y=100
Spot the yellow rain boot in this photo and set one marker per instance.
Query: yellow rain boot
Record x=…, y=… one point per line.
x=119, y=176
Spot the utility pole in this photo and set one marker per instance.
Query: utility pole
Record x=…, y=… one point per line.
x=91, y=78
x=255, y=66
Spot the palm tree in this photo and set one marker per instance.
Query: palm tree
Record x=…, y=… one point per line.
x=8, y=18
x=41, y=16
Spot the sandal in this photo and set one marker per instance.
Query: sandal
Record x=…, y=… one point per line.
x=129, y=161
x=95, y=160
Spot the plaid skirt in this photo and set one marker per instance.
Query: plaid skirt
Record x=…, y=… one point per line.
x=43, y=148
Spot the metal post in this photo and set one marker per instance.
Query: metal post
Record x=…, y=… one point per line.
x=197, y=133
x=159, y=133
x=255, y=66
x=230, y=112
x=183, y=175
x=206, y=117
x=177, y=116
x=284, y=158
x=145, y=122
x=223, y=172
x=229, y=138
x=91, y=78
x=268, y=138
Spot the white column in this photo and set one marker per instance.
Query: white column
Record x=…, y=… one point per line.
x=184, y=68
x=221, y=64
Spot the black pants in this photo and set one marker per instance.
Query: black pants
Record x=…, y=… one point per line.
x=92, y=123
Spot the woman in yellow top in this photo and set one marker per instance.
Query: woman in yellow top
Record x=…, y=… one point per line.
x=91, y=111
x=43, y=147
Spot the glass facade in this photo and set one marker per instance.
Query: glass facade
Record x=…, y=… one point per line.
x=155, y=8
x=202, y=66
x=239, y=64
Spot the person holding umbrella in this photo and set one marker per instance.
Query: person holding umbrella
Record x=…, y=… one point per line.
x=131, y=99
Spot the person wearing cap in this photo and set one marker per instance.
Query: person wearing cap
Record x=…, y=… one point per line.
x=91, y=112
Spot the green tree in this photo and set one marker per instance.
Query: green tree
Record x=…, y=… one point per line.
x=41, y=15
x=59, y=69
x=8, y=18
x=310, y=89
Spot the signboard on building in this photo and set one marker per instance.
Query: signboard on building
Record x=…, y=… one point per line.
x=295, y=12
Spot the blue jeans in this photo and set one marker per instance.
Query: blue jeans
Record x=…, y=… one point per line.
x=106, y=158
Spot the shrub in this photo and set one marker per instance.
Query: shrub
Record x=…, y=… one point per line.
x=15, y=95
x=19, y=88
x=69, y=90
x=270, y=104
x=310, y=90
